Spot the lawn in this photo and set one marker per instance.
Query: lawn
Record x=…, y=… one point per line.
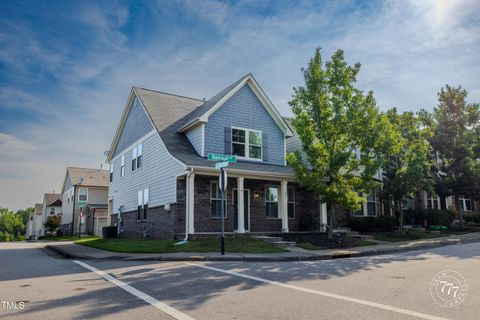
x=245, y=245
x=355, y=243
x=70, y=238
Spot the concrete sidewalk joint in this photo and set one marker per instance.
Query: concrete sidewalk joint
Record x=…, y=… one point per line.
x=74, y=251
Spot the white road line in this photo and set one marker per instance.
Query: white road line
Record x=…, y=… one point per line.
x=139, y=294
x=325, y=294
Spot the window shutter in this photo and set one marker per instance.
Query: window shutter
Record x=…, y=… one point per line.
x=228, y=140
x=265, y=146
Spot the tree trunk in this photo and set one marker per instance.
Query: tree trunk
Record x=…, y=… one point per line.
x=401, y=216
x=459, y=208
x=332, y=221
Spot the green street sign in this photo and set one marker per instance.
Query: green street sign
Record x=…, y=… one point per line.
x=81, y=203
x=221, y=157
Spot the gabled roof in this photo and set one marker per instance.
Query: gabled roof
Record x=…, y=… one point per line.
x=86, y=177
x=201, y=114
x=52, y=199
x=38, y=208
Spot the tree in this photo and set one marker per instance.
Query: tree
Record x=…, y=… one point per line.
x=25, y=214
x=52, y=223
x=456, y=127
x=408, y=170
x=11, y=226
x=334, y=120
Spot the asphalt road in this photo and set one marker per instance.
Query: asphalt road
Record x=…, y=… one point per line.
x=381, y=287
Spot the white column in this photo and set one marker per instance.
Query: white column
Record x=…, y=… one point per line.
x=323, y=213
x=284, y=205
x=191, y=205
x=240, y=205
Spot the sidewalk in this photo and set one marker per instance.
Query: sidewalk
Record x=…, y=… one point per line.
x=70, y=250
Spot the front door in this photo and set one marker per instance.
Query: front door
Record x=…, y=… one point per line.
x=246, y=208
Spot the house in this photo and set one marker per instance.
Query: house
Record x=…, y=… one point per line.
x=52, y=205
x=426, y=200
x=163, y=186
x=84, y=200
x=34, y=224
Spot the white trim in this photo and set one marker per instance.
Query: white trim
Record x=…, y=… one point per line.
x=247, y=143
x=79, y=193
x=278, y=200
x=130, y=146
x=257, y=90
x=203, y=141
x=245, y=227
x=234, y=173
x=463, y=203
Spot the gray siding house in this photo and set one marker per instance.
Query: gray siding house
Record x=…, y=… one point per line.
x=163, y=186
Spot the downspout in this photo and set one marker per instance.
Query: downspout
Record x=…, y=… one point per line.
x=187, y=207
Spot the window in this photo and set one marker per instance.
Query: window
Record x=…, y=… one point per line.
x=142, y=208
x=52, y=211
x=432, y=201
x=247, y=143
x=122, y=166
x=371, y=204
x=370, y=207
x=137, y=157
x=291, y=202
x=271, y=202
x=466, y=204
x=111, y=172
x=82, y=194
x=216, y=200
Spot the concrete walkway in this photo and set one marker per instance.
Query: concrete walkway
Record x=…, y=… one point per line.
x=68, y=249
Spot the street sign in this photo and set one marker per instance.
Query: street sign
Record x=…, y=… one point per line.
x=220, y=165
x=222, y=157
x=222, y=180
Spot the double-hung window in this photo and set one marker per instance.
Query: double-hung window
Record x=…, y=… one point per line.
x=291, y=202
x=142, y=208
x=271, y=202
x=216, y=201
x=52, y=211
x=432, y=201
x=370, y=207
x=247, y=143
x=466, y=203
x=111, y=172
x=137, y=157
x=82, y=194
x=122, y=166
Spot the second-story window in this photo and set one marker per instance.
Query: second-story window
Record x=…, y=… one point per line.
x=122, y=166
x=137, y=157
x=52, y=211
x=247, y=143
x=111, y=172
x=82, y=194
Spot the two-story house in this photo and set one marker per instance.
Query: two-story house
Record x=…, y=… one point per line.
x=51, y=205
x=84, y=200
x=162, y=185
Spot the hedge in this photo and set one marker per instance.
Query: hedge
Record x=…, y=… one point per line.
x=431, y=217
x=372, y=224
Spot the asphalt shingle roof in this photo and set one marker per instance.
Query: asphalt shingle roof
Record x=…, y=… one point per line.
x=88, y=177
x=51, y=198
x=170, y=112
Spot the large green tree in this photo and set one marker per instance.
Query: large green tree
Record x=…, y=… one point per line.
x=335, y=121
x=456, y=140
x=407, y=171
x=11, y=226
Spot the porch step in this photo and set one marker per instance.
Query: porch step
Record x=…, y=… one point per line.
x=346, y=231
x=284, y=244
x=362, y=236
x=268, y=239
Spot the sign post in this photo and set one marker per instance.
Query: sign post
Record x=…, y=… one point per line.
x=222, y=162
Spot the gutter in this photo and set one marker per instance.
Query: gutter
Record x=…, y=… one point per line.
x=187, y=205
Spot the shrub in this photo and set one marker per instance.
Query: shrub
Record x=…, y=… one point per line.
x=431, y=217
x=372, y=224
x=475, y=217
x=53, y=222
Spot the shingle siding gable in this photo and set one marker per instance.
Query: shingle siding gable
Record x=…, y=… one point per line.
x=244, y=110
x=136, y=126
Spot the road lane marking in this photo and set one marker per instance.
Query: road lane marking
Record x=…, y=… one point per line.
x=139, y=294
x=324, y=294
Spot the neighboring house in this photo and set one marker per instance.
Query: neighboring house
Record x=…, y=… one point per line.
x=35, y=222
x=85, y=194
x=52, y=205
x=426, y=200
x=163, y=186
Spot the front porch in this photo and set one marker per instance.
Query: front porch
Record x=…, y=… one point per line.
x=254, y=205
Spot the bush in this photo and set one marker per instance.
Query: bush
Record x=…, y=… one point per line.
x=372, y=224
x=431, y=217
x=53, y=222
x=475, y=217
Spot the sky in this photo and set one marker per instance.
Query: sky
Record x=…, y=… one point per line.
x=67, y=67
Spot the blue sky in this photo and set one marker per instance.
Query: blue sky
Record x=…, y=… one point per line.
x=66, y=67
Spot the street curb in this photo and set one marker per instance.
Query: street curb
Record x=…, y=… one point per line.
x=341, y=254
